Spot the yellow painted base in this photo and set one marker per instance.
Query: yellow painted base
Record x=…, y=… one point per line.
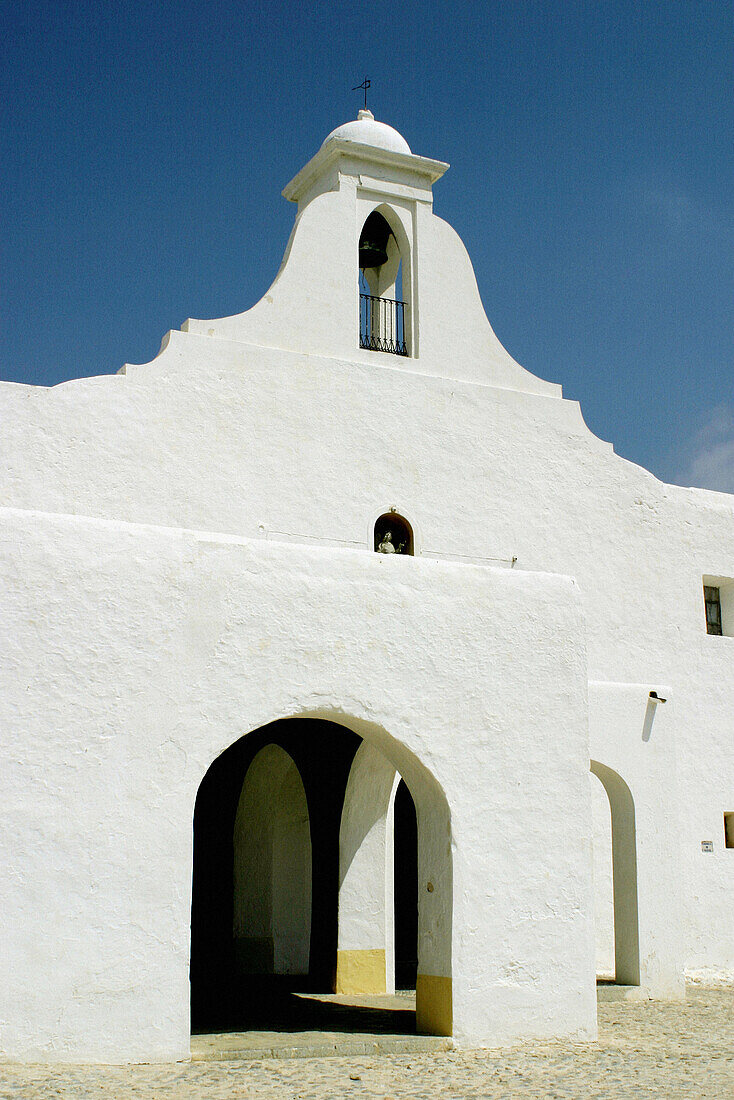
x=433, y=1007
x=360, y=971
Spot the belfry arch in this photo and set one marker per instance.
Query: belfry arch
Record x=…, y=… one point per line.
x=248, y=909
x=385, y=284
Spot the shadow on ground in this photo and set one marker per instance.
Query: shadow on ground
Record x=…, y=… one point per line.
x=268, y=1006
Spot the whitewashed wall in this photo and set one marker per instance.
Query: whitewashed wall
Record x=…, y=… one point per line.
x=275, y=446
x=136, y=655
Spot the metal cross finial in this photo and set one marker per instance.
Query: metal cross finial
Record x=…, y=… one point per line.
x=365, y=85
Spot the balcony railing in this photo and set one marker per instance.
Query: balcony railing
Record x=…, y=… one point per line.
x=382, y=324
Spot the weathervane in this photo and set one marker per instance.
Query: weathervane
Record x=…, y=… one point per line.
x=364, y=85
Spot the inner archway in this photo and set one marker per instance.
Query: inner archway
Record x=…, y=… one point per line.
x=272, y=869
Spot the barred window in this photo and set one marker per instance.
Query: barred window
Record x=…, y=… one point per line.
x=712, y=599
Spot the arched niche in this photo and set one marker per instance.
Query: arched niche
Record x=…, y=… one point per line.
x=272, y=868
x=384, y=283
x=392, y=529
x=624, y=875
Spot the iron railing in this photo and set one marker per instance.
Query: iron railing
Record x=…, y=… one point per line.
x=382, y=324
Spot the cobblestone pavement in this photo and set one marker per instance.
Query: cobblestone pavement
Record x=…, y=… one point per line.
x=644, y=1049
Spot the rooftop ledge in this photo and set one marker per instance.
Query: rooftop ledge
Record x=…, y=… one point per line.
x=333, y=150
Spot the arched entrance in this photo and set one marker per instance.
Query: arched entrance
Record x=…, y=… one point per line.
x=624, y=875
x=267, y=873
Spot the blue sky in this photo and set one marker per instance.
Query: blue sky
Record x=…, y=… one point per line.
x=591, y=144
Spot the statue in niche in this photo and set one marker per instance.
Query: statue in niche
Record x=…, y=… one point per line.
x=393, y=534
x=387, y=546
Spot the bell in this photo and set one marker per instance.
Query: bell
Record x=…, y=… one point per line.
x=371, y=254
x=373, y=241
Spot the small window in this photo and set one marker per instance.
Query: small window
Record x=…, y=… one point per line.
x=712, y=599
x=729, y=830
x=718, y=598
x=393, y=535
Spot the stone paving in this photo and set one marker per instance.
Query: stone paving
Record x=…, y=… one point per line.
x=318, y=1025
x=645, y=1049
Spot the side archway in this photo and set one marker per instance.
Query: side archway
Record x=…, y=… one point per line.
x=624, y=875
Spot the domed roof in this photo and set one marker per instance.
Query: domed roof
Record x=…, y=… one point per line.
x=367, y=131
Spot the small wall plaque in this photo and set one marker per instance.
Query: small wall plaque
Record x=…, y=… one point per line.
x=707, y=845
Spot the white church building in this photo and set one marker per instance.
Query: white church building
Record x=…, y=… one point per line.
x=337, y=650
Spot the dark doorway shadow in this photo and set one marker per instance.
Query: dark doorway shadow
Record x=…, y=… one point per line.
x=222, y=997
x=406, y=889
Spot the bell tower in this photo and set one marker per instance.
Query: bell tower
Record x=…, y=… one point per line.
x=372, y=167
x=370, y=275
